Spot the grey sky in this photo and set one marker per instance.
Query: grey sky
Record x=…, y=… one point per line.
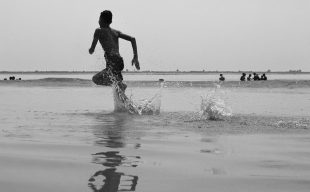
x=171, y=34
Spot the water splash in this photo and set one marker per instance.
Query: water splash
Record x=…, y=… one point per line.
x=123, y=103
x=151, y=106
x=213, y=105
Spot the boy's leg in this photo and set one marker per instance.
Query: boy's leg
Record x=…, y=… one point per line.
x=106, y=78
x=119, y=78
x=122, y=85
x=102, y=78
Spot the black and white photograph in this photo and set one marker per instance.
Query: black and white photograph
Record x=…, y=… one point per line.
x=155, y=96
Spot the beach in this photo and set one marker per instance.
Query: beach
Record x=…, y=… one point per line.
x=62, y=135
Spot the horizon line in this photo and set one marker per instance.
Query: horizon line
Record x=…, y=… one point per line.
x=155, y=71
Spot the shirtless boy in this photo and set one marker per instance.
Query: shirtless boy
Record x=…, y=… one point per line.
x=108, y=39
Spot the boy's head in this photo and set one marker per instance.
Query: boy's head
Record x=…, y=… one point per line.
x=105, y=18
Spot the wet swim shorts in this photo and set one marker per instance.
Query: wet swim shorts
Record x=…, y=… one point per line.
x=112, y=72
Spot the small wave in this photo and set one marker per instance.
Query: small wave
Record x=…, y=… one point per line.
x=50, y=79
x=290, y=84
x=122, y=103
x=53, y=82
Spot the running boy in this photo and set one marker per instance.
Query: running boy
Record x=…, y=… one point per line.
x=108, y=39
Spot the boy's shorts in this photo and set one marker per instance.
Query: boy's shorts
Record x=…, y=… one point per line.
x=112, y=72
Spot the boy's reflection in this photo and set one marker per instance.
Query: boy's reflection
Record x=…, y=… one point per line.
x=112, y=181
x=110, y=135
x=109, y=130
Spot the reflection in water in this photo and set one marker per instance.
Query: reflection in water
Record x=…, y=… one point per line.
x=110, y=133
x=112, y=181
x=113, y=159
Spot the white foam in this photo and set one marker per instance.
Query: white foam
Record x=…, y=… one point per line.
x=213, y=105
x=123, y=103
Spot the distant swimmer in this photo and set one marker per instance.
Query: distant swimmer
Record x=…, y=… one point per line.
x=222, y=78
x=263, y=77
x=108, y=39
x=161, y=80
x=249, y=78
x=256, y=77
x=243, y=76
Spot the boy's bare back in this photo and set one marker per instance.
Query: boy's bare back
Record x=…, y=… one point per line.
x=108, y=39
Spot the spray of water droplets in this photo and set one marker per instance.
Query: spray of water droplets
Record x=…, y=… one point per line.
x=213, y=105
x=122, y=103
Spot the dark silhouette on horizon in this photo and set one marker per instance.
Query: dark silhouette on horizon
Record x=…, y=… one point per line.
x=222, y=78
x=243, y=76
x=263, y=77
x=256, y=77
x=249, y=78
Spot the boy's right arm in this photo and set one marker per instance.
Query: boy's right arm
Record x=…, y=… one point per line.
x=94, y=43
x=135, y=60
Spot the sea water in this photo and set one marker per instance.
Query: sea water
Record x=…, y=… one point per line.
x=67, y=128
x=155, y=76
x=28, y=108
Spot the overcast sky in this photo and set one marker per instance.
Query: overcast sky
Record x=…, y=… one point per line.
x=171, y=34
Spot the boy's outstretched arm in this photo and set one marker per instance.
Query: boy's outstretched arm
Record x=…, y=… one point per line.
x=94, y=43
x=135, y=60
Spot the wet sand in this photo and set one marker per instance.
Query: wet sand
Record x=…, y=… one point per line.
x=154, y=155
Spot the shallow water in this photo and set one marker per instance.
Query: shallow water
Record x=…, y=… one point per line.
x=113, y=152
x=69, y=139
x=278, y=102
x=43, y=107
x=155, y=77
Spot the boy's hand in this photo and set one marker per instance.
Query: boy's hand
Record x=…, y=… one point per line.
x=91, y=51
x=135, y=62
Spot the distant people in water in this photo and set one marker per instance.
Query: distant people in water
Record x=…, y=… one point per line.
x=263, y=77
x=222, y=78
x=242, y=78
x=249, y=78
x=256, y=77
x=12, y=78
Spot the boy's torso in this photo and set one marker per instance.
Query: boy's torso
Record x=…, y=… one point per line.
x=108, y=39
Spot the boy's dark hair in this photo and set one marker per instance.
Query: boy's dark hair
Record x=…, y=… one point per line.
x=105, y=16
